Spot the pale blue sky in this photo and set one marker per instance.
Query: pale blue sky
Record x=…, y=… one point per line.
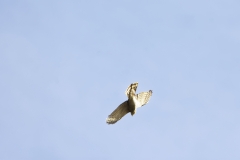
x=64, y=67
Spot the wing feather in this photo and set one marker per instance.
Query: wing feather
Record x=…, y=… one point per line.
x=118, y=113
x=144, y=97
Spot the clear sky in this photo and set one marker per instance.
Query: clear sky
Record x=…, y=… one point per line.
x=65, y=65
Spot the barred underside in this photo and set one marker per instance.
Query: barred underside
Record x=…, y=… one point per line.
x=144, y=97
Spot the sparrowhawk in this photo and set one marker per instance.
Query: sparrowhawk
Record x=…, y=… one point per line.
x=134, y=101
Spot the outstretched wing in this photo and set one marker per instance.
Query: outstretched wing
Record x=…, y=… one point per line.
x=118, y=113
x=144, y=97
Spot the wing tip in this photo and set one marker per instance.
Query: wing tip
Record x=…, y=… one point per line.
x=151, y=91
x=111, y=120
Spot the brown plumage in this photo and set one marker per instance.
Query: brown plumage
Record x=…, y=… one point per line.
x=134, y=101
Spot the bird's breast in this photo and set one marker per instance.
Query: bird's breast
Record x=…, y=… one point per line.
x=133, y=103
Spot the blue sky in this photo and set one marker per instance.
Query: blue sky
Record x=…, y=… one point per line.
x=65, y=66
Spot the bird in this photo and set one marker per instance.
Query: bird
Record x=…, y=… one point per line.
x=134, y=101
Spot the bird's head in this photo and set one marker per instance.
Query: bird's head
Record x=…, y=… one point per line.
x=131, y=88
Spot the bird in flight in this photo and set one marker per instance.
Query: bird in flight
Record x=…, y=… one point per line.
x=134, y=101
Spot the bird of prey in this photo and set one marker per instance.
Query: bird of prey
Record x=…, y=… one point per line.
x=134, y=101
